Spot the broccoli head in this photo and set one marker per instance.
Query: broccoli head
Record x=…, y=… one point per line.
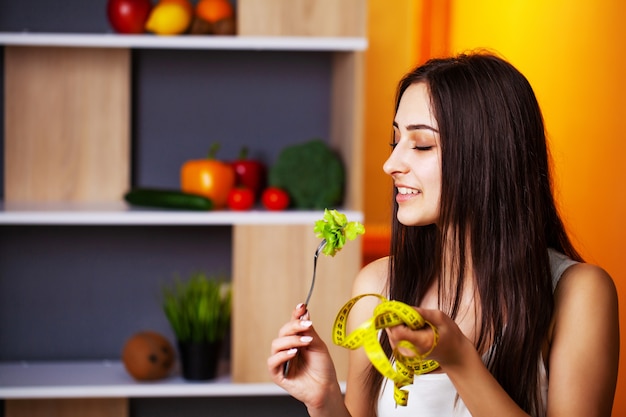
x=312, y=173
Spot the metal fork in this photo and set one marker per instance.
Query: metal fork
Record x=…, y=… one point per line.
x=308, y=297
x=317, y=253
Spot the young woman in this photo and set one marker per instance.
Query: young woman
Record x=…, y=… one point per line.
x=478, y=247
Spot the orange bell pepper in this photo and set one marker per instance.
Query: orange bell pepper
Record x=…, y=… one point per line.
x=208, y=177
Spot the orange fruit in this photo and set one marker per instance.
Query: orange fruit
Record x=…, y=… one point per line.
x=214, y=10
x=185, y=3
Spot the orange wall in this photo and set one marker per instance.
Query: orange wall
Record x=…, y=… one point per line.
x=393, y=32
x=572, y=53
x=399, y=38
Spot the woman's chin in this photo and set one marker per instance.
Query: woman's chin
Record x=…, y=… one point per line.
x=414, y=219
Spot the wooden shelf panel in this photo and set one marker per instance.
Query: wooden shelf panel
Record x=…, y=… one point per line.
x=278, y=43
x=67, y=124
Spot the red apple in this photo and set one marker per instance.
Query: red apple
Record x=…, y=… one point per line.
x=128, y=16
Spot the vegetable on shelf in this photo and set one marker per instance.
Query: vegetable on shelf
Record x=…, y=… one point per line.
x=311, y=173
x=249, y=172
x=208, y=177
x=173, y=199
x=336, y=230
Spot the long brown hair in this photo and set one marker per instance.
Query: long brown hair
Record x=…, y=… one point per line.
x=496, y=207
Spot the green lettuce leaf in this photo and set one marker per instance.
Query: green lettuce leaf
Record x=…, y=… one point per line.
x=336, y=229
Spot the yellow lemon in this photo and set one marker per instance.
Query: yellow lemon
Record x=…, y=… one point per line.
x=168, y=19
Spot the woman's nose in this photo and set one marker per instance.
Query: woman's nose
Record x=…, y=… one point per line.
x=393, y=164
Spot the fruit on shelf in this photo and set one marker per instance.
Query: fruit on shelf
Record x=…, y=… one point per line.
x=185, y=3
x=241, y=199
x=214, y=10
x=275, y=199
x=215, y=17
x=148, y=356
x=128, y=16
x=169, y=18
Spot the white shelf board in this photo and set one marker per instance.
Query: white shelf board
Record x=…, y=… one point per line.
x=120, y=213
x=110, y=40
x=109, y=379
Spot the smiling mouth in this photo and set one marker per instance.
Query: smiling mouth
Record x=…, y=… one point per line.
x=407, y=191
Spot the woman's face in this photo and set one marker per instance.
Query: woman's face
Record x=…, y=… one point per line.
x=415, y=162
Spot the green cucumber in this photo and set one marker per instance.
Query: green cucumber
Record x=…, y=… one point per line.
x=173, y=199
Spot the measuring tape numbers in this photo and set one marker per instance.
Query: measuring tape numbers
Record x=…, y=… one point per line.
x=387, y=314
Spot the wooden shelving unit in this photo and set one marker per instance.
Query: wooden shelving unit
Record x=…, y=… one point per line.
x=48, y=184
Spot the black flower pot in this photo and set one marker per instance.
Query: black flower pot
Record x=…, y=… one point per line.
x=199, y=360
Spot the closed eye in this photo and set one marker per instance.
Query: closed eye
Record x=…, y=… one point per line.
x=418, y=148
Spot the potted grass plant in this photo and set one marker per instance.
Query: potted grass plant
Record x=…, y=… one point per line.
x=199, y=312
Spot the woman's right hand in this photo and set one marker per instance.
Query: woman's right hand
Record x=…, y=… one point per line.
x=311, y=378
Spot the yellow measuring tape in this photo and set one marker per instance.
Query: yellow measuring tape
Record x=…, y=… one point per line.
x=387, y=314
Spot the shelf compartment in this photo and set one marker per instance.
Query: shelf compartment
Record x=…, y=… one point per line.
x=61, y=140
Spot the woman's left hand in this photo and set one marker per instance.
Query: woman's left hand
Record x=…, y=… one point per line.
x=450, y=345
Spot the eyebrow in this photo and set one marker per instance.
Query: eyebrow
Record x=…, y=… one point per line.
x=418, y=126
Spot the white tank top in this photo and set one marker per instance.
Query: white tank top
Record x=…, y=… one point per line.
x=434, y=395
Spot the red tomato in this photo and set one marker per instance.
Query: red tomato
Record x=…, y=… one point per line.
x=275, y=199
x=128, y=16
x=240, y=199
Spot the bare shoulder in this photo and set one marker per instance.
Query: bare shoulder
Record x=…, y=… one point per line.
x=585, y=283
x=372, y=278
x=586, y=298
